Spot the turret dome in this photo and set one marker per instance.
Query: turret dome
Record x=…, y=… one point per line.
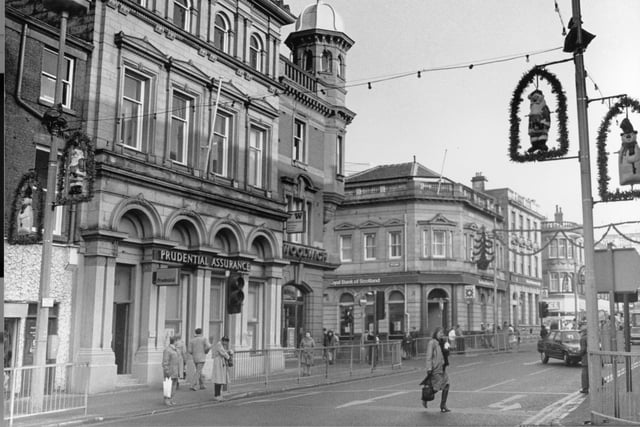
x=319, y=16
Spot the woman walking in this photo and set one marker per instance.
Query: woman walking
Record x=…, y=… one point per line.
x=436, y=364
x=306, y=353
x=221, y=355
x=170, y=369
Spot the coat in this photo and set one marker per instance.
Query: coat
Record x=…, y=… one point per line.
x=306, y=345
x=182, y=357
x=198, y=348
x=583, y=348
x=220, y=373
x=170, y=360
x=436, y=364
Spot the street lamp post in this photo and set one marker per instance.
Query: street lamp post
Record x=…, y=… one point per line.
x=55, y=123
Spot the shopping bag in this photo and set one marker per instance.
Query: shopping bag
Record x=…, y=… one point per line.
x=428, y=394
x=166, y=387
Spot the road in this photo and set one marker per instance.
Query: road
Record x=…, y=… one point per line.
x=492, y=390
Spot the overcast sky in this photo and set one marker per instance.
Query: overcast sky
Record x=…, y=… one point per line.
x=466, y=111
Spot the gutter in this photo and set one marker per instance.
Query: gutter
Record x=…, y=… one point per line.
x=18, y=96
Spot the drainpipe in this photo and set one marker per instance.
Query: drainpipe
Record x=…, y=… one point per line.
x=19, y=100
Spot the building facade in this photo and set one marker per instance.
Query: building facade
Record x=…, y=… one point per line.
x=563, y=265
x=408, y=242
x=523, y=253
x=209, y=147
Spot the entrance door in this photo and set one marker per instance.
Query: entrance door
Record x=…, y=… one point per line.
x=292, y=316
x=121, y=330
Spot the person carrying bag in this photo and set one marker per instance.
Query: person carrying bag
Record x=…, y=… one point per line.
x=437, y=377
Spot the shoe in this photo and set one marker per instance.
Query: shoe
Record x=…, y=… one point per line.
x=202, y=387
x=218, y=398
x=193, y=388
x=424, y=403
x=445, y=409
x=584, y=391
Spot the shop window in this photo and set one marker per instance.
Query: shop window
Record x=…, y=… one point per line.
x=49, y=77
x=216, y=300
x=396, y=314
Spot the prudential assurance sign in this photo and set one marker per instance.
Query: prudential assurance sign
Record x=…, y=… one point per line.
x=296, y=222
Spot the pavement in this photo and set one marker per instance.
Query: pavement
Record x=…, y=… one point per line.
x=138, y=401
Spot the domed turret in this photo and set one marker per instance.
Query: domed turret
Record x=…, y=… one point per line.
x=319, y=16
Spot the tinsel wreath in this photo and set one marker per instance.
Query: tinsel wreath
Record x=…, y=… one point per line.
x=81, y=140
x=28, y=180
x=514, y=119
x=603, y=157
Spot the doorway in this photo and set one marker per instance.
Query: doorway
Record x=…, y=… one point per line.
x=437, y=310
x=121, y=328
x=292, y=316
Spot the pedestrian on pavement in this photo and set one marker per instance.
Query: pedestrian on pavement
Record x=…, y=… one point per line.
x=512, y=336
x=199, y=346
x=436, y=368
x=585, y=359
x=452, y=339
x=182, y=358
x=543, y=332
x=306, y=353
x=170, y=360
x=332, y=345
x=221, y=355
x=459, y=340
x=407, y=343
x=414, y=337
x=372, y=350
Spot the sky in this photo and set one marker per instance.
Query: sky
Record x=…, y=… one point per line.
x=460, y=118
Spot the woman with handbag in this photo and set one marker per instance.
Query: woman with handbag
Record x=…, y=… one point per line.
x=170, y=370
x=436, y=365
x=221, y=356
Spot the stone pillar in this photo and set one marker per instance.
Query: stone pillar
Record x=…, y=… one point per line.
x=272, y=327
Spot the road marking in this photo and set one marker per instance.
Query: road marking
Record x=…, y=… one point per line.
x=531, y=363
x=555, y=411
x=279, y=398
x=373, y=399
x=468, y=364
x=540, y=371
x=496, y=384
x=503, y=404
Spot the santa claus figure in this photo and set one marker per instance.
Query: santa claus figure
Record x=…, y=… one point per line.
x=629, y=155
x=539, y=122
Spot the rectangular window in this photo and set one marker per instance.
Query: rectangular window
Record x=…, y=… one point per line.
x=369, y=246
x=220, y=149
x=49, y=77
x=299, y=142
x=180, y=126
x=521, y=223
x=535, y=266
x=42, y=170
x=346, y=248
x=439, y=244
x=529, y=228
x=296, y=205
x=257, y=139
x=395, y=244
x=554, y=282
x=562, y=248
x=569, y=249
x=134, y=109
x=252, y=309
x=339, y=155
x=553, y=249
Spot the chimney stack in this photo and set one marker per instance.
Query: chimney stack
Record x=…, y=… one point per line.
x=558, y=215
x=477, y=182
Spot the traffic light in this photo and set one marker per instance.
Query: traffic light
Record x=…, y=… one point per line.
x=543, y=309
x=235, y=293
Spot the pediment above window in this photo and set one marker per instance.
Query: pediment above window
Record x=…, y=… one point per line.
x=394, y=222
x=439, y=219
x=471, y=226
x=369, y=224
x=345, y=226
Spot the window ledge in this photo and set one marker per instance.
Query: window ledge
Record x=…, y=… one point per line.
x=299, y=164
x=49, y=104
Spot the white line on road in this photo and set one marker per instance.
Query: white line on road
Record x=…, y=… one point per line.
x=503, y=404
x=360, y=402
x=277, y=399
x=539, y=372
x=468, y=364
x=555, y=411
x=496, y=384
x=531, y=363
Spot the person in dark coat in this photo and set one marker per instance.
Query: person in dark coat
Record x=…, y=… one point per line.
x=585, y=359
x=436, y=365
x=543, y=332
x=170, y=368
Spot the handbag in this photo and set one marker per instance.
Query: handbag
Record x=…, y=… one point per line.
x=167, y=384
x=428, y=394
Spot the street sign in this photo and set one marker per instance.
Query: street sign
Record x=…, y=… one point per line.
x=296, y=222
x=166, y=277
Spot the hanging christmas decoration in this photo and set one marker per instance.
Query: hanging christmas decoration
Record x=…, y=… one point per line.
x=539, y=119
x=483, y=250
x=628, y=155
x=571, y=41
x=25, y=224
x=77, y=175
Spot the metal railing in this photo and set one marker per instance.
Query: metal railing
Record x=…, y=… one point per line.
x=270, y=368
x=65, y=389
x=617, y=398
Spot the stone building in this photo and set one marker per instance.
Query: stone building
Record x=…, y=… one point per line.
x=215, y=157
x=409, y=239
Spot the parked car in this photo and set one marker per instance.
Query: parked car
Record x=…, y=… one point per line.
x=635, y=335
x=563, y=345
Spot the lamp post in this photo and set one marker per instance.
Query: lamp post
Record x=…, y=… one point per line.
x=55, y=124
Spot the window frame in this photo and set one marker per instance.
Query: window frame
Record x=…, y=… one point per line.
x=183, y=6
x=257, y=156
x=327, y=61
x=344, y=249
x=225, y=150
x=299, y=146
x=369, y=252
x=256, y=52
x=143, y=108
x=187, y=126
x=67, y=82
x=395, y=246
x=339, y=155
x=221, y=34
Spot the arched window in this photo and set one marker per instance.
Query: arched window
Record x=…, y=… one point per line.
x=327, y=62
x=396, y=314
x=255, y=52
x=182, y=14
x=221, y=30
x=340, y=67
x=308, y=61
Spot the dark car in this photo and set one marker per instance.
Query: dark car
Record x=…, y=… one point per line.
x=563, y=345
